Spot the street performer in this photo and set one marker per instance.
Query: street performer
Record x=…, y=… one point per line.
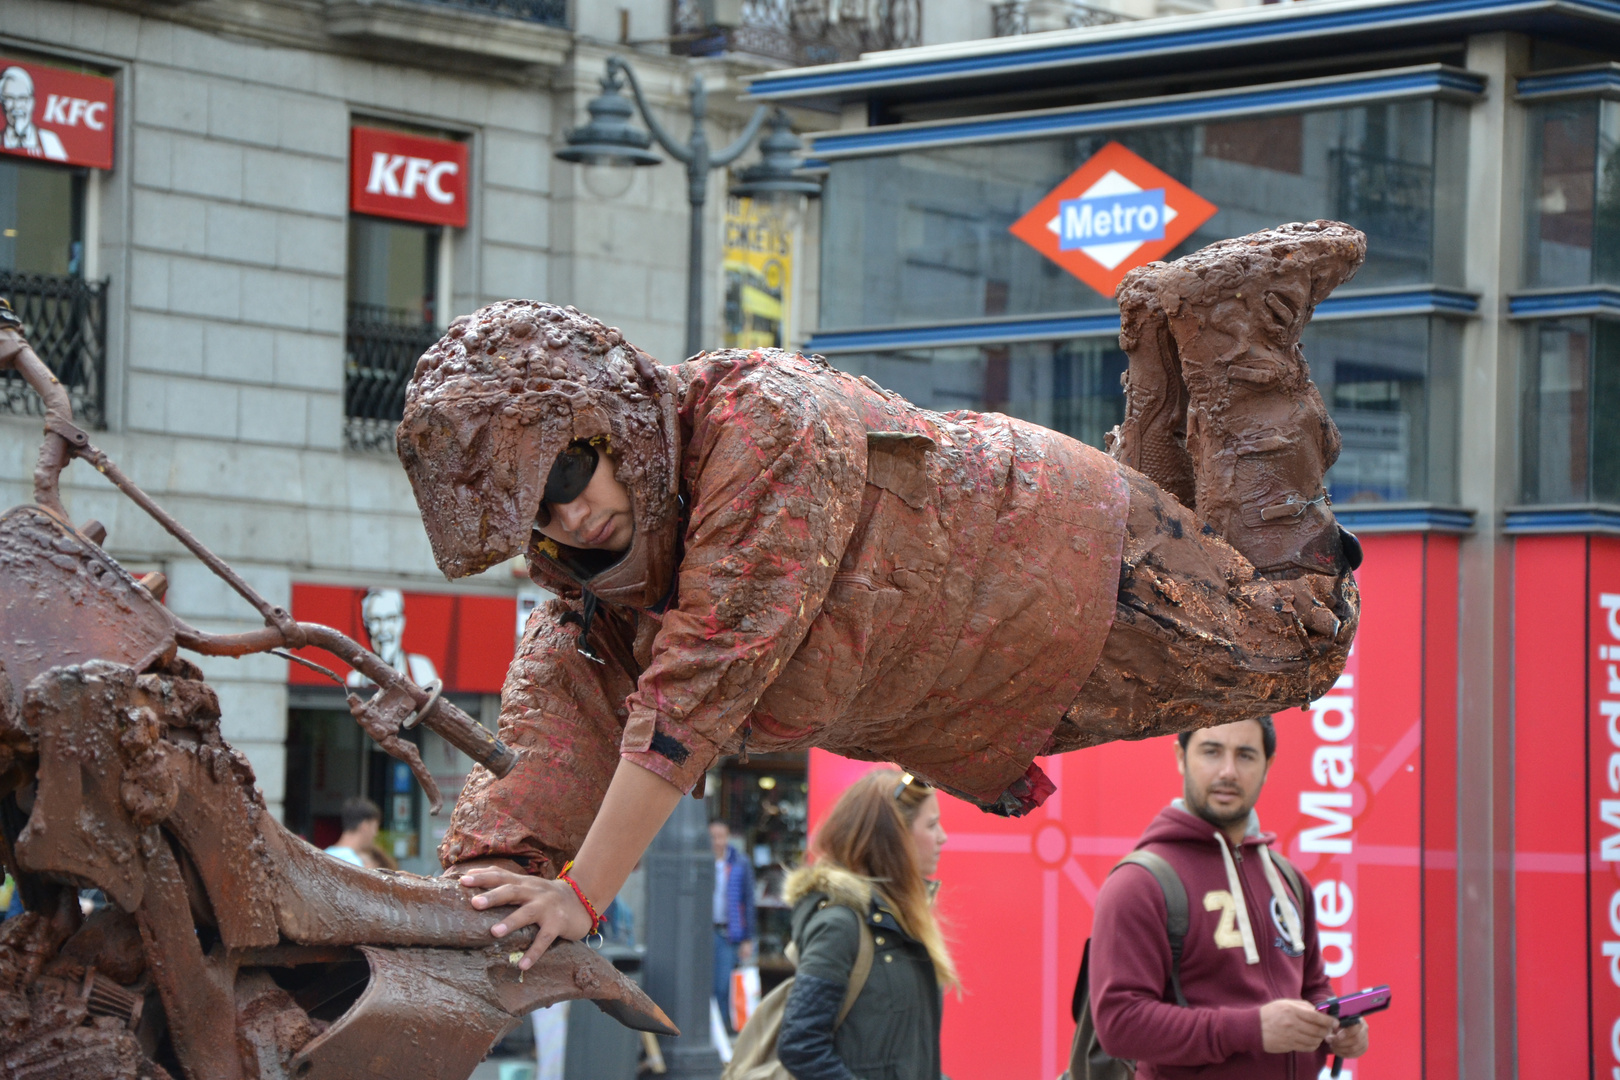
x=754, y=551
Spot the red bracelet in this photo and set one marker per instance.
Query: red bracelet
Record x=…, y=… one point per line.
x=596, y=920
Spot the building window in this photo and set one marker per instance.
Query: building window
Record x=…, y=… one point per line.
x=1573, y=195
x=392, y=319
x=42, y=274
x=1571, y=412
x=1390, y=385
x=921, y=238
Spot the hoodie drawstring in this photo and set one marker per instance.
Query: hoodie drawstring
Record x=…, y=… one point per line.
x=1234, y=885
x=1290, y=917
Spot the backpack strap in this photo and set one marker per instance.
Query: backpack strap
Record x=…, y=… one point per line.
x=1291, y=873
x=1177, y=919
x=857, y=974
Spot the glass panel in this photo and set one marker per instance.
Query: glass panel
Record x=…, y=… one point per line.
x=1390, y=387
x=1071, y=386
x=40, y=224
x=1606, y=413
x=922, y=237
x=392, y=267
x=1557, y=405
x=1563, y=165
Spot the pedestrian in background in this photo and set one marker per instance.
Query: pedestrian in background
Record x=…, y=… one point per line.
x=873, y=859
x=358, y=845
x=734, y=915
x=1251, y=965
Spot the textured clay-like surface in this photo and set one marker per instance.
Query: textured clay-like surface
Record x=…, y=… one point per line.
x=1258, y=436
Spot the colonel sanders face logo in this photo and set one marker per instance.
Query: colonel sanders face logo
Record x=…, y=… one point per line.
x=17, y=100
x=383, y=611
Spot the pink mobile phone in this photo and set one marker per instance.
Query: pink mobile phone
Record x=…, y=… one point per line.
x=1351, y=1007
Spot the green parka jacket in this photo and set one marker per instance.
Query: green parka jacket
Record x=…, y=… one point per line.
x=892, y=1030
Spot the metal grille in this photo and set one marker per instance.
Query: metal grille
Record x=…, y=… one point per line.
x=800, y=31
x=65, y=320
x=381, y=347
x=1012, y=17
x=549, y=12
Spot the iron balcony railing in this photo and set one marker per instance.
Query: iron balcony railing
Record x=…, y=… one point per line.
x=381, y=347
x=65, y=320
x=1014, y=17
x=548, y=12
x=797, y=32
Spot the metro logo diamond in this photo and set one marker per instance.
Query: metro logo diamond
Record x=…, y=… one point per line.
x=1113, y=214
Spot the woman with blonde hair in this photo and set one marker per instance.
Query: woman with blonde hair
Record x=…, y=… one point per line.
x=871, y=862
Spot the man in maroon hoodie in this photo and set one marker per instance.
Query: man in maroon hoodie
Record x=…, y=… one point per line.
x=1251, y=966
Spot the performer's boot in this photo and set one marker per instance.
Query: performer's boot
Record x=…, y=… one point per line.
x=1152, y=439
x=1258, y=434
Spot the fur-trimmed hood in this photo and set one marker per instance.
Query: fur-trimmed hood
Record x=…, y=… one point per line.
x=838, y=885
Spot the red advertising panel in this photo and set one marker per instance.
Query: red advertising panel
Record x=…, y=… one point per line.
x=408, y=177
x=1602, y=714
x=467, y=641
x=1439, y=770
x=56, y=115
x=1549, y=817
x=1346, y=795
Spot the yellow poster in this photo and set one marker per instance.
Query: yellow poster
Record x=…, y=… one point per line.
x=758, y=253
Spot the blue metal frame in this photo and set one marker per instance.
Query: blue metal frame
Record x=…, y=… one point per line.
x=1550, y=304
x=1268, y=26
x=1386, y=303
x=1429, y=80
x=1369, y=519
x=1602, y=81
x=1531, y=521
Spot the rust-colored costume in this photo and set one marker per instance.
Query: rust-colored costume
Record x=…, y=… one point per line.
x=817, y=562
x=858, y=574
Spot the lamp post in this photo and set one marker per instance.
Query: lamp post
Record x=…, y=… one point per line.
x=680, y=866
x=609, y=139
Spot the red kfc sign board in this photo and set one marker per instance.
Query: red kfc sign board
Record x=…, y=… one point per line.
x=467, y=641
x=56, y=115
x=1357, y=803
x=408, y=177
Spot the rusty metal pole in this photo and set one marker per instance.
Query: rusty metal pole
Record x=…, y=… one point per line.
x=680, y=938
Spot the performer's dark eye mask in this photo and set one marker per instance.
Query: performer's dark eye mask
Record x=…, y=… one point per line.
x=569, y=477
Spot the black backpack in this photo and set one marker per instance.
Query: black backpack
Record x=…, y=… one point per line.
x=1087, y=1059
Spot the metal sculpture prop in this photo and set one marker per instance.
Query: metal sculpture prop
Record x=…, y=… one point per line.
x=229, y=947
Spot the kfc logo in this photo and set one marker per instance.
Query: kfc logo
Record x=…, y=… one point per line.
x=56, y=115
x=408, y=177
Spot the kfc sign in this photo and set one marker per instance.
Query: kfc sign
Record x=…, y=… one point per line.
x=408, y=177
x=56, y=115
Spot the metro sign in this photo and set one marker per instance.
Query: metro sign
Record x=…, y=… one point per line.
x=408, y=177
x=1114, y=213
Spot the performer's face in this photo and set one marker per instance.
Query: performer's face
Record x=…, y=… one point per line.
x=928, y=836
x=1224, y=769
x=599, y=518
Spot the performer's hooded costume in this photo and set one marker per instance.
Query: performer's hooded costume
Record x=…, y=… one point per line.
x=818, y=562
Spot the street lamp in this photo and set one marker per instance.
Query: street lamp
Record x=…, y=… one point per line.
x=609, y=141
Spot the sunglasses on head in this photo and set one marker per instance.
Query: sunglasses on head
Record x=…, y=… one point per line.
x=570, y=475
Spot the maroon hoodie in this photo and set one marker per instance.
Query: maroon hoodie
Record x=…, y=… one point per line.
x=1218, y=1034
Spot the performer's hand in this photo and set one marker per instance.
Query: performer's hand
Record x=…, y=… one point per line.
x=549, y=906
x=1288, y=1025
x=1349, y=1041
